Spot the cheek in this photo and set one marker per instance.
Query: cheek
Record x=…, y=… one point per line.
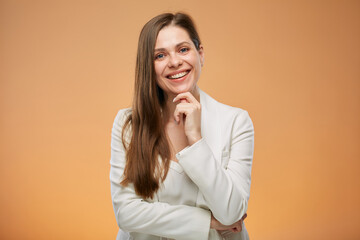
x=159, y=67
x=159, y=78
x=194, y=60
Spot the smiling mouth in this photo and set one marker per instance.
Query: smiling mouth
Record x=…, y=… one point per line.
x=178, y=75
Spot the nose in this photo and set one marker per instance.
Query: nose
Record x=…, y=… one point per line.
x=174, y=61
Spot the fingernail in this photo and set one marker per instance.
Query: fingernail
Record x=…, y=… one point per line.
x=174, y=99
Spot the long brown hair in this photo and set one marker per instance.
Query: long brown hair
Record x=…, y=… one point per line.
x=145, y=122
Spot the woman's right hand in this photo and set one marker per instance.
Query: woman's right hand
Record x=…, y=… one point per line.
x=235, y=227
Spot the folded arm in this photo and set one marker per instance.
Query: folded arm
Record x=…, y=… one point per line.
x=135, y=214
x=225, y=190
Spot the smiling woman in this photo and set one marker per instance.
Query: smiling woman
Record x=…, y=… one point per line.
x=180, y=161
x=177, y=61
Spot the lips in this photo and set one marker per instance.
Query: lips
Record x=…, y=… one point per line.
x=178, y=75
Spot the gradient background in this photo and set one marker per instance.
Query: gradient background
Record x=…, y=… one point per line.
x=66, y=67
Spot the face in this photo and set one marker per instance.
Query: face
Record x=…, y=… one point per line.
x=177, y=61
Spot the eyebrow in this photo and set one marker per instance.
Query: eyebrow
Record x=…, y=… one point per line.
x=177, y=45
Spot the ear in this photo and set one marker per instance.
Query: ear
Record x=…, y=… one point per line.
x=201, y=54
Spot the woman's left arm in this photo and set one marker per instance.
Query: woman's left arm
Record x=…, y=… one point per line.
x=226, y=190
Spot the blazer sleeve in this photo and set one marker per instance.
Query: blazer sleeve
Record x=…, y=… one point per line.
x=226, y=190
x=134, y=214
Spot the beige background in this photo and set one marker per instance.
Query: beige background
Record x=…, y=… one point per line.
x=66, y=67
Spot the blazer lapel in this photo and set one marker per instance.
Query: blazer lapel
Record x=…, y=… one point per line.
x=210, y=124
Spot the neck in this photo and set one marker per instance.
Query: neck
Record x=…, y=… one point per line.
x=170, y=105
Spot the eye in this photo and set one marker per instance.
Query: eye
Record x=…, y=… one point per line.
x=159, y=56
x=184, y=49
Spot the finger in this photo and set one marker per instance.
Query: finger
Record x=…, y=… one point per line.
x=182, y=116
x=186, y=95
x=182, y=110
x=238, y=227
x=179, y=110
x=178, y=116
x=243, y=218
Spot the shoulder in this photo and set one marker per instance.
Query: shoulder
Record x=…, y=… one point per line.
x=235, y=117
x=121, y=116
x=120, y=119
x=230, y=110
x=227, y=114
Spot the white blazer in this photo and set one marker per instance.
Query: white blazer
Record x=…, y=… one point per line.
x=214, y=174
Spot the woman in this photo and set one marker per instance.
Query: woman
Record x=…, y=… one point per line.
x=180, y=161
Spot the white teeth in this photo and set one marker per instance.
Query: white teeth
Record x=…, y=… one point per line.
x=179, y=75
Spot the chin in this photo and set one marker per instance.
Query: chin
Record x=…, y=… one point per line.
x=179, y=90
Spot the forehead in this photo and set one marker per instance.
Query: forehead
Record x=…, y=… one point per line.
x=170, y=36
